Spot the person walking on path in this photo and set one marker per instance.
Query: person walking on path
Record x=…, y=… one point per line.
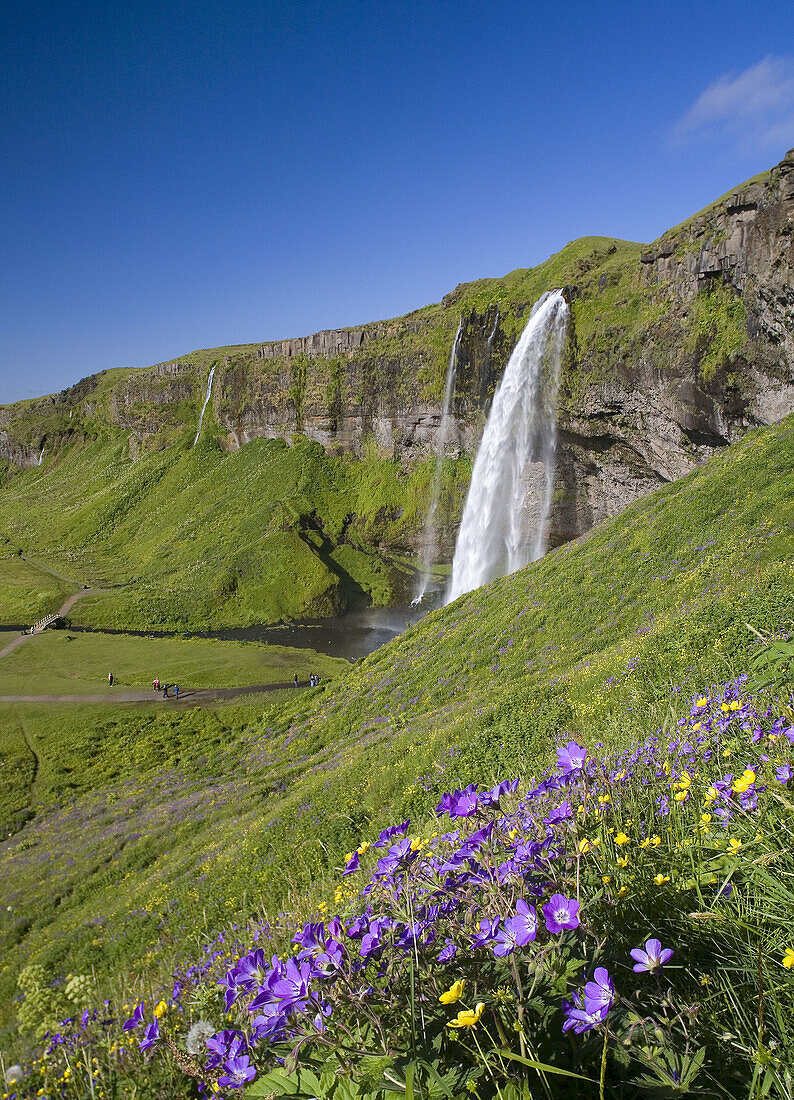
x=165, y=691
x=295, y=679
x=176, y=691
x=156, y=683
x=110, y=678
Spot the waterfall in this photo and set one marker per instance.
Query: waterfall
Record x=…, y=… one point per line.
x=429, y=547
x=41, y=457
x=507, y=508
x=206, y=402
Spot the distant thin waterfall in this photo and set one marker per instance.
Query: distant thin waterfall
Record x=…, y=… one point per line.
x=505, y=518
x=206, y=402
x=429, y=534
x=41, y=457
x=486, y=373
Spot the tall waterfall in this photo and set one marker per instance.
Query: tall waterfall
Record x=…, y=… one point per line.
x=506, y=513
x=206, y=402
x=429, y=540
x=41, y=457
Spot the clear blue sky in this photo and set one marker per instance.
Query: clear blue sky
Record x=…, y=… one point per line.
x=178, y=175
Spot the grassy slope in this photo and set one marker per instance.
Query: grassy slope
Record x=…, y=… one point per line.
x=127, y=812
x=28, y=591
x=202, y=538
x=58, y=662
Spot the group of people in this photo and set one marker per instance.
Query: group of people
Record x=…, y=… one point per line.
x=157, y=686
x=314, y=680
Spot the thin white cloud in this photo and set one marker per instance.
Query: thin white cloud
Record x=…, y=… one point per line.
x=750, y=110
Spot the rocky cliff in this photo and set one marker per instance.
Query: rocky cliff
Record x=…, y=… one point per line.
x=674, y=350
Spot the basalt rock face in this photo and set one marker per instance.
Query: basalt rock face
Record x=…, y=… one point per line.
x=674, y=350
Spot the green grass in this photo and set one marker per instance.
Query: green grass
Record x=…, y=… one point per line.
x=201, y=538
x=61, y=662
x=27, y=592
x=142, y=829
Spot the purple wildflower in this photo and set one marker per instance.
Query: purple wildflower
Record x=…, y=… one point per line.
x=560, y=913
x=580, y=1018
x=151, y=1035
x=238, y=1071
x=652, y=958
x=571, y=758
x=524, y=926
x=600, y=992
x=136, y=1018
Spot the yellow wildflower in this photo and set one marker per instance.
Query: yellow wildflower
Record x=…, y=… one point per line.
x=622, y=861
x=645, y=843
x=734, y=844
x=161, y=1010
x=606, y=879
x=363, y=848
x=468, y=1018
x=621, y=838
x=681, y=796
x=661, y=879
x=454, y=993
x=656, y=840
x=623, y=891
x=584, y=846
x=702, y=701
x=745, y=780
x=711, y=794
x=788, y=958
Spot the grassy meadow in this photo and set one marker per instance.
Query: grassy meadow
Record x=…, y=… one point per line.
x=60, y=662
x=135, y=838
x=28, y=591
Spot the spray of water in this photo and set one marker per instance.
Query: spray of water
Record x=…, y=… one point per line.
x=505, y=517
x=429, y=534
x=206, y=402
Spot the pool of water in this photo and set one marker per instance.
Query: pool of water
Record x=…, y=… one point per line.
x=351, y=635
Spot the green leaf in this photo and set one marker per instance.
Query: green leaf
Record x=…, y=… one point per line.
x=541, y=1066
x=276, y=1082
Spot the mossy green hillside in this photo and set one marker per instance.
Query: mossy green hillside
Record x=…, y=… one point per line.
x=61, y=662
x=187, y=821
x=202, y=538
x=27, y=590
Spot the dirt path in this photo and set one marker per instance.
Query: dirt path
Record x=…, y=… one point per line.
x=64, y=609
x=142, y=695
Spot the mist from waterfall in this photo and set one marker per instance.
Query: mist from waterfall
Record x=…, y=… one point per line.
x=206, y=402
x=429, y=534
x=505, y=517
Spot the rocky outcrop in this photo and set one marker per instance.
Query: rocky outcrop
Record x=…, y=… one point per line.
x=17, y=454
